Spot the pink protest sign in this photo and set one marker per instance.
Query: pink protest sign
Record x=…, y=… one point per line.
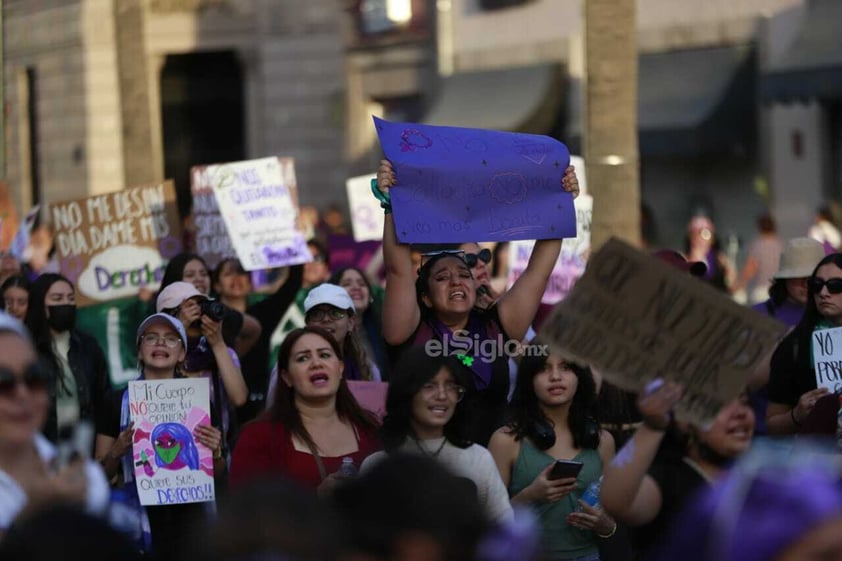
x=171, y=466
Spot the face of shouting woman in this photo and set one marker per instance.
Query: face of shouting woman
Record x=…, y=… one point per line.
x=314, y=370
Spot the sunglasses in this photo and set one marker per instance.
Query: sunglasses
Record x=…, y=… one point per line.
x=834, y=286
x=426, y=257
x=34, y=378
x=473, y=258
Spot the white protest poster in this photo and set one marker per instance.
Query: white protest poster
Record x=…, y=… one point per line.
x=366, y=215
x=574, y=251
x=112, y=245
x=635, y=318
x=827, y=358
x=171, y=466
x=258, y=200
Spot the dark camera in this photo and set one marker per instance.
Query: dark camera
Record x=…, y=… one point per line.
x=214, y=309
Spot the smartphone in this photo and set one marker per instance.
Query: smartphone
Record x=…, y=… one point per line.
x=565, y=468
x=75, y=442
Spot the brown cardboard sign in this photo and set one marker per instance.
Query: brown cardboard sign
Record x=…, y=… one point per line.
x=634, y=318
x=113, y=245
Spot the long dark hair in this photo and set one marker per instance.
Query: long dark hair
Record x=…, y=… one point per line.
x=175, y=268
x=36, y=316
x=15, y=281
x=526, y=415
x=413, y=370
x=284, y=410
x=811, y=312
x=371, y=321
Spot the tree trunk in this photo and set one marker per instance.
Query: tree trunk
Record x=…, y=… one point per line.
x=611, y=153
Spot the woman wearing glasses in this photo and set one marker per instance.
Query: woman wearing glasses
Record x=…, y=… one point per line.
x=314, y=422
x=161, y=350
x=438, y=309
x=424, y=415
x=551, y=419
x=793, y=391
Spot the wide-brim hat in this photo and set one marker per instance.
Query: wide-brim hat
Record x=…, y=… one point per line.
x=799, y=258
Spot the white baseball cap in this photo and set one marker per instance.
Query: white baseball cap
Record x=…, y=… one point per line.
x=332, y=294
x=174, y=294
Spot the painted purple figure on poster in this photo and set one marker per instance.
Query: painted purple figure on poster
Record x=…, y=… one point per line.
x=460, y=185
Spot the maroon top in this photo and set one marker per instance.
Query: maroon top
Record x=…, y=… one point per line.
x=265, y=448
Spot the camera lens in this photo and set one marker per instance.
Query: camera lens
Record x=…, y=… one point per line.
x=213, y=309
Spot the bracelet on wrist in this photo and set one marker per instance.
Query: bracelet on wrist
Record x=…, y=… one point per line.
x=609, y=534
x=794, y=420
x=384, y=198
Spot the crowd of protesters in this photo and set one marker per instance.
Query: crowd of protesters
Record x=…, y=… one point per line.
x=462, y=463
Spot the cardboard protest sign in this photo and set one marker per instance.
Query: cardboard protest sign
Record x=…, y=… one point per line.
x=635, y=318
x=370, y=395
x=574, y=251
x=827, y=358
x=366, y=214
x=258, y=200
x=112, y=245
x=463, y=185
x=171, y=466
x=212, y=241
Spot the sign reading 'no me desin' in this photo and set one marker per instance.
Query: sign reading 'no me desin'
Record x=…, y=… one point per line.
x=113, y=245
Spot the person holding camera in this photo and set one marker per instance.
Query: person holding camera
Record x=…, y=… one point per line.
x=207, y=354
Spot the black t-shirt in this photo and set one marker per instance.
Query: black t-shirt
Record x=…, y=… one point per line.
x=791, y=372
x=678, y=483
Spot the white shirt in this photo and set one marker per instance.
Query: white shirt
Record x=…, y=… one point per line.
x=13, y=499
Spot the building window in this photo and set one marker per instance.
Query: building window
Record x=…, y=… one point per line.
x=31, y=103
x=382, y=16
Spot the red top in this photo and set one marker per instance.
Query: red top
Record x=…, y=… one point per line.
x=264, y=448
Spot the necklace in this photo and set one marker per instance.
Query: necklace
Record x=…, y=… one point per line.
x=427, y=452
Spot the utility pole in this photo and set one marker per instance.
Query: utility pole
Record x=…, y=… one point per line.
x=611, y=152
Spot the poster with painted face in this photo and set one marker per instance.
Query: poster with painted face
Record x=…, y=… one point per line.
x=171, y=466
x=113, y=245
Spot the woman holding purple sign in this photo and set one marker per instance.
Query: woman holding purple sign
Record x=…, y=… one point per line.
x=438, y=310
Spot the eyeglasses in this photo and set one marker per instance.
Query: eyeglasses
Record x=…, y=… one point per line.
x=473, y=258
x=153, y=340
x=320, y=314
x=451, y=390
x=834, y=286
x=34, y=378
x=319, y=259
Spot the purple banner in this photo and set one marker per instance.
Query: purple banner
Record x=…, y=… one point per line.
x=471, y=185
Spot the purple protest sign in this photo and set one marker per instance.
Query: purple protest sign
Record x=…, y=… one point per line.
x=461, y=185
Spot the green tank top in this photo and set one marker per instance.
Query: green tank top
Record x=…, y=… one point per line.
x=559, y=540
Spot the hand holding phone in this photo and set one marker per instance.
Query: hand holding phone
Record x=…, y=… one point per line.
x=564, y=469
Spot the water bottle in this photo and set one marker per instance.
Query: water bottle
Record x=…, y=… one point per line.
x=591, y=495
x=348, y=469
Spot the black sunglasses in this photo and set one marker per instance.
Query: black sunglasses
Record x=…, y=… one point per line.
x=34, y=378
x=834, y=286
x=472, y=259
